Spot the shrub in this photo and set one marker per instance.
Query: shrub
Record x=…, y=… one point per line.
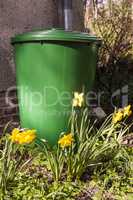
x=112, y=21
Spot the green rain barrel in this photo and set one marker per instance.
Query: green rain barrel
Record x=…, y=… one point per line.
x=50, y=66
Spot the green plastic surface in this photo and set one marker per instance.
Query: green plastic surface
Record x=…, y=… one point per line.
x=46, y=74
x=55, y=35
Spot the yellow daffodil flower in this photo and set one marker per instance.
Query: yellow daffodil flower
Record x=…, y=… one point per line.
x=66, y=140
x=127, y=111
x=15, y=135
x=121, y=114
x=78, y=99
x=117, y=117
x=22, y=137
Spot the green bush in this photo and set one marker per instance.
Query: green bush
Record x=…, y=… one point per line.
x=112, y=22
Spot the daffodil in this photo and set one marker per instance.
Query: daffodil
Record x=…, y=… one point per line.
x=15, y=134
x=121, y=114
x=118, y=116
x=22, y=136
x=127, y=111
x=78, y=99
x=66, y=140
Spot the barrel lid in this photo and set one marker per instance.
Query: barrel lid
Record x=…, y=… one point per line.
x=55, y=34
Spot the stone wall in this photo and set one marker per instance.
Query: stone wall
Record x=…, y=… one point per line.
x=17, y=17
x=8, y=114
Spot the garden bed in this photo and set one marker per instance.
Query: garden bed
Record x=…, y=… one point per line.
x=87, y=162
